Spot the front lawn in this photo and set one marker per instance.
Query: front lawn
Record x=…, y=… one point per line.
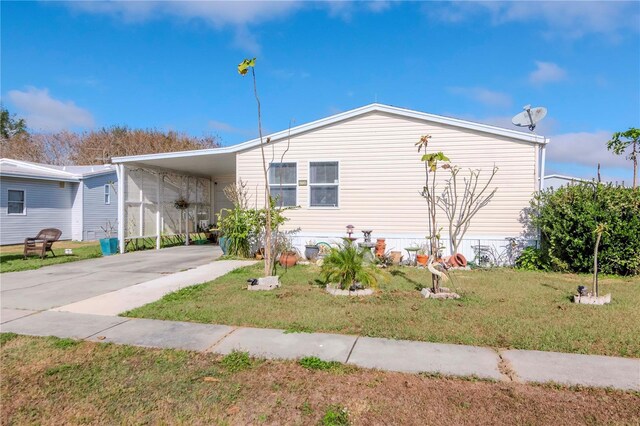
x=11, y=259
x=61, y=381
x=501, y=308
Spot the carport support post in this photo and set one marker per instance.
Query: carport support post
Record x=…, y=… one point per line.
x=122, y=176
x=158, y=207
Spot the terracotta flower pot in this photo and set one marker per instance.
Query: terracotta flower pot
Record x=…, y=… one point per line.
x=422, y=259
x=396, y=257
x=451, y=260
x=287, y=260
x=380, y=247
x=461, y=260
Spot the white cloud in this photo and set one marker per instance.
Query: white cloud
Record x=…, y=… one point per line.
x=43, y=112
x=584, y=148
x=560, y=19
x=217, y=13
x=482, y=95
x=547, y=72
x=378, y=5
x=224, y=127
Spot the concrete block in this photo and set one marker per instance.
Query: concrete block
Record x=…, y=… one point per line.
x=276, y=344
x=265, y=284
x=416, y=357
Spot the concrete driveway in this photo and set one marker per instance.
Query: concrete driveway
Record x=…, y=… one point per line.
x=59, y=285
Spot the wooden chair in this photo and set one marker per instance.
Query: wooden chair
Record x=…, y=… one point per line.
x=42, y=243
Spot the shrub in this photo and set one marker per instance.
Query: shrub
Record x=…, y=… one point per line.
x=568, y=217
x=532, y=259
x=348, y=264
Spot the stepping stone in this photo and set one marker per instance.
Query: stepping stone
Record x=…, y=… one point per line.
x=418, y=357
x=164, y=334
x=276, y=344
x=575, y=369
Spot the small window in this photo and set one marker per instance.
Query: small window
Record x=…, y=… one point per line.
x=16, y=204
x=283, y=178
x=323, y=184
x=107, y=194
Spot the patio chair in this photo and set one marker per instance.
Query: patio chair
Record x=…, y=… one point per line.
x=42, y=243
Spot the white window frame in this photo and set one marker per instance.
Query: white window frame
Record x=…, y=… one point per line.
x=107, y=194
x=24, y=202
x=322, y=184
x=285, y=185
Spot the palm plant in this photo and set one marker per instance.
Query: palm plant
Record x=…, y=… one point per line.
x=348, y=265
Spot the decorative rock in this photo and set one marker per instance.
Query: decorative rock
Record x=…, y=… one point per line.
x=337, y=292
x=265, y=283
x=592, y=299
x=444, y=294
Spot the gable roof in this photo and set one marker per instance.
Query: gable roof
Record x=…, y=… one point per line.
x=375, y=107
x=29, y=170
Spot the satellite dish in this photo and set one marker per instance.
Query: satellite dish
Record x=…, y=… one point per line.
x=529, y=117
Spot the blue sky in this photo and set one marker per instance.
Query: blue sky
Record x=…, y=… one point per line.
x=172, y=65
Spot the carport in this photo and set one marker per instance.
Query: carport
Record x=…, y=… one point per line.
x=150, y=185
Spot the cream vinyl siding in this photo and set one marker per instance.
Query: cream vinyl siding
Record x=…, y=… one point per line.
x=381, y=175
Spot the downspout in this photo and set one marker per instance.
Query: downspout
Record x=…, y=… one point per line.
x=542, y=161
x=121, y=206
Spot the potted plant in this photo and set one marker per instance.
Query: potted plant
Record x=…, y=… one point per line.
x=181, y=203
x=288, y=253
x=311, y=250
x=422, y=257
x=109, y=244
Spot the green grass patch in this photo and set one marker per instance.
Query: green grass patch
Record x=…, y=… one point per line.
x=64, y=343
x=5, y=337
x=237, y=361
x=501, y=308
x=315, y=363
x=335, y=416
x=11, y=258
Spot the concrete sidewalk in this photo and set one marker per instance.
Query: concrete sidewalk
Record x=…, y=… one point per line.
x=384, y=354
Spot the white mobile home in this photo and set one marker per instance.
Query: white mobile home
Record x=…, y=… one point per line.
x=359, y=167
x=78, y=200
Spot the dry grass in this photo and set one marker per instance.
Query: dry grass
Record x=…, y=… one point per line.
x=500, y=308
x=58, y=381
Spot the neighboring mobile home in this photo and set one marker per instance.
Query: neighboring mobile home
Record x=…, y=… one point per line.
x=359, y=167
x=78, y=200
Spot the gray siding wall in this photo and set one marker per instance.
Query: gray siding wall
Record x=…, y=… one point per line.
x=95, y=212
x=47, y=205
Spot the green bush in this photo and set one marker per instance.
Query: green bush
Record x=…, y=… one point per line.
x=532, y=259
x=568, y=217
x=244, y=227
x=348, y=264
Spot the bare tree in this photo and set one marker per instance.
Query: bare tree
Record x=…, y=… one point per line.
x=431, y=164
x=460, y=203
x=238, y=194
x=98, y=147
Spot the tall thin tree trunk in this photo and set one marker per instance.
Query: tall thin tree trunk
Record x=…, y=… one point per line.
x=595, y=264
x=268, y=261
